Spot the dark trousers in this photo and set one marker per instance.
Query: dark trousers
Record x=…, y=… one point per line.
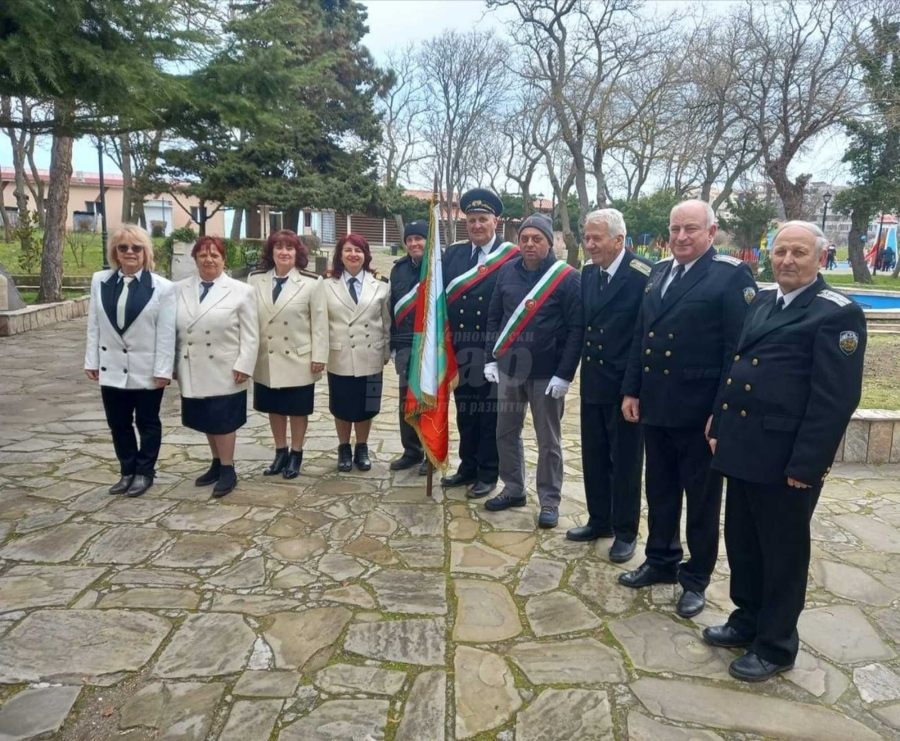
x=125, y=409
x=476, y=420
x=678, y=461
x=768, y=543
x=412, y=446
x=611, y=456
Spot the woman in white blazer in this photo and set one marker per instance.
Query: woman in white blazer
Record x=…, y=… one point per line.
x=293, y=345
x=218, y=338
x=359, y=328
x=130, y=351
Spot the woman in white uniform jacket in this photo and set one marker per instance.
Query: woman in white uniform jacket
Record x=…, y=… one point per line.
x=218, y=339
x=130, y=351
x=293, y=345
x=359, y=328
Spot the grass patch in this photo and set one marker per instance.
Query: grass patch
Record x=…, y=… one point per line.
x=882, y=282
x=87, y=264
x=29, y=297
x=881, y=376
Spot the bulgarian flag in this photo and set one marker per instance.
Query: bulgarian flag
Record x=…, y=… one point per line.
x=433, y=372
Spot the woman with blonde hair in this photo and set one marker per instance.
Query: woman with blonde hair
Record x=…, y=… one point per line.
x=130, y=352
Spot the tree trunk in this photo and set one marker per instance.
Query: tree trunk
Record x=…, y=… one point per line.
x=859, y=224
x=4, y=217
x=57, y=209
x=253, y=223
x=236, y=223
x=568, y=236
x=127, y=179
x=201, y=214
x=791, y=193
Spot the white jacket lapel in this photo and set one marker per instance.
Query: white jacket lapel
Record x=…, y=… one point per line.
x=218, y=292
x=367, y=295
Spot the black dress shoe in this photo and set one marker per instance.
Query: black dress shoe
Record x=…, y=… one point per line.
x=644, y=576
x=622, y=551
x=345, y=457
x=752, y=668
x=277, y=465
x=139, y=485
x=292, y=467
x=361, y=457
x=121, y=486
x=211, y=476
x=226, y=483
x=457, y=479
x=405, y=461
x=725, y=636
x=586, y=533
x=481, y=489
x=423, y=469
x=504, y=501
x=690, y=603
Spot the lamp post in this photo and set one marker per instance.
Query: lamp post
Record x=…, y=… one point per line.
x=825, y=198
x=103, y=233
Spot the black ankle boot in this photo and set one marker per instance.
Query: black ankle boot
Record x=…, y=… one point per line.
x=277, y=466
x=345, y=457
x=292, y=468
x=361, y=457
x=226, y=483
x=212, y=475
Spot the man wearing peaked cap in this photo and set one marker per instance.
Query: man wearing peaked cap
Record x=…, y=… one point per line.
x=470, y=274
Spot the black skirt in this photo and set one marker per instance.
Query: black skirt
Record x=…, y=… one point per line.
x=215, y=415
x=354, y=398
x=291, y=401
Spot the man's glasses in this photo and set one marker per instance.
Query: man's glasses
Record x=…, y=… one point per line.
x=136, y=248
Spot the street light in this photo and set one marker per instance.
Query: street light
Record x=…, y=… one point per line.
x=825, y=197
x=103, y=233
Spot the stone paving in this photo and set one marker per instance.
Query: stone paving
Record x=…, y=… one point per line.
x=351, y=607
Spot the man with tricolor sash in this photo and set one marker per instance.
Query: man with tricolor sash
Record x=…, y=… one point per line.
x=535, y=328
x=404, y=287
x=470, y=276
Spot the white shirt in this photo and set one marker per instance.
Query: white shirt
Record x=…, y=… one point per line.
x=788, y=297
x=485, y=250
x=123, y=296
x=611, y=270
x=671, y=276
x=359, y=281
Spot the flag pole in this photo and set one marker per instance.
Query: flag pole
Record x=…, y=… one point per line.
x=429, y=481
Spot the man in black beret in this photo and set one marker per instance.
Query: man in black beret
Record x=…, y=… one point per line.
x=404, y=286
x=470, y=275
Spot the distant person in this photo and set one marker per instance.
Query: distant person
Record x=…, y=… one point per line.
x=890, y=258
x=130, y=351
x=782, y=407
x=831, y=260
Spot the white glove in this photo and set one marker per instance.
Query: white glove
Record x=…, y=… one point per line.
x=491, y=373
x=557, y=387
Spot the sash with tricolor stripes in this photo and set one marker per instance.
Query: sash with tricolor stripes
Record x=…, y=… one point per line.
x=528, y=307
x=405, y=304
x=472, y=276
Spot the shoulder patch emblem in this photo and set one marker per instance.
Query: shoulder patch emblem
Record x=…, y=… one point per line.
x=648, y=287
x=729, y=259
x=749, y=294
x=848, y=342
x=836, y=298
x=641, y=267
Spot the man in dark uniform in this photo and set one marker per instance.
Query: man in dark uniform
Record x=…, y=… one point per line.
x=470, y=275
x=611, y=449
x=690, y=320
x=535, y=328
x=404, y=285
x=783, y=405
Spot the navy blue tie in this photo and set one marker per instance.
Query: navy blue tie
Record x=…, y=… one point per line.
x=207, y=284
x=276, y=291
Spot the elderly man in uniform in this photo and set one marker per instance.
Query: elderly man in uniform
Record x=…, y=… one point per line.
x=470, y=275
x=783, y=405
x=404, y=286
x=535, y=328
x=690, y=320
x=612, y=289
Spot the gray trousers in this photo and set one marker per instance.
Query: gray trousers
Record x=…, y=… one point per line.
x=514, y=397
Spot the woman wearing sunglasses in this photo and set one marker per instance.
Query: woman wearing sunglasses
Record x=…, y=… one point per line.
x=130, y=351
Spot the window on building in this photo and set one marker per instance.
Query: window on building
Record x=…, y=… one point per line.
x=91, y=207
x=307, y=218
x=195, y=214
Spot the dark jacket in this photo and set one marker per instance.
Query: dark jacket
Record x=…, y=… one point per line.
x=610, y=316
x=681, y=344
x=550, y=344
x=468, y=313
x=404, y=276
x=791, y=387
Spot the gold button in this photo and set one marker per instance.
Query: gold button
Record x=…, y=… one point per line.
x=477, y=326
x=189, y=331
x=601, y=331
x=285, y=324
x=210, y=357
x=465, y=296
x=481, y=298
x=647, y=351
x=650, y=334
x=588, y=343
x=599, y=347
x=462, y=311
x=587, y=359
x=271, y=351
x=207, y=331
x=755, y=361
x=666, y=371
x=737, y=357
x=190, y=343
x=671, y=336
x=747, y=387
x=601, y=362
x=743, y=413
x=478, y=313
x=646, y=369
x=270, y=337
x=728, y=382
x=724, y=407
x=668, y=353
x=287, y=352
x=589, y=329
x=462, y=326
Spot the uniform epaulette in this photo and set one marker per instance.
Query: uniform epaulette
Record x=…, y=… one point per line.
x=769, y=288
x=258, y=272
x=835, y=297
x=457, y=243
x=380, y=277
x=664, y=259
x=642, y=267
x=310, y=274
x=729, y=259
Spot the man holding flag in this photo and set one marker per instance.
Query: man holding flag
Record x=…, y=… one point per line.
x=432, y=374
x=404, y=291
x=535, y=328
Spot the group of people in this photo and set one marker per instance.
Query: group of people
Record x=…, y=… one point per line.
x=689, y=374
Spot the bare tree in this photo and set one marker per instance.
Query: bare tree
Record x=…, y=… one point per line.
x=523, y=127
x=21, y=113
x=464, y=82
x=136, y=154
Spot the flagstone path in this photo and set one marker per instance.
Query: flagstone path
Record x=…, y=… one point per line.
x=352, y=607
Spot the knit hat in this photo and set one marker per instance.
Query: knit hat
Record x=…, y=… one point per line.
x=419, y=227
x=542, y=223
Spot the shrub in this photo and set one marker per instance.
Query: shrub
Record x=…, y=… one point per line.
x=312, y=242
x=29, y=245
